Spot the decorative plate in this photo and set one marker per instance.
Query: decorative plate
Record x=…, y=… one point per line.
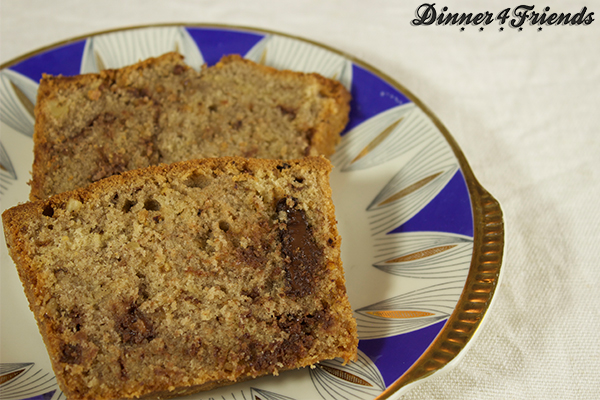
x=422, y=240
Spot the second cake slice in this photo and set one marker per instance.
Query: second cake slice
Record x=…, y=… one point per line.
x=160, y=110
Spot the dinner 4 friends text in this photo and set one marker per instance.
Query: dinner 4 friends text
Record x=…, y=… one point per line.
x=428, y=14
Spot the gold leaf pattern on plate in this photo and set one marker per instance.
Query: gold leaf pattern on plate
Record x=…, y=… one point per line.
x=11, y=375
x=400, y=313
x=263, y=57
x=18, y=94
x=408, y=190
x=421, y=254
x=378, y=140
x=377, y=320
x=359, y=380
x=25, y=381
x=261, y=394
x=344, y=375
x=27, y=104
x=424, y=255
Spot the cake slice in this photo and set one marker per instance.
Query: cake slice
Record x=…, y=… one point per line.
x=179, y=278
x=160, y=110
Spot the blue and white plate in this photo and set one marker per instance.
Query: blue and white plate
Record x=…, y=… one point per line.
x=422, y=241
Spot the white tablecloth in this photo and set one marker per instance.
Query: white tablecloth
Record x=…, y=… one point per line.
x=525, y=108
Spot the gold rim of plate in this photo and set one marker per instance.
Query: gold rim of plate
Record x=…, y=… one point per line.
x=488, y=229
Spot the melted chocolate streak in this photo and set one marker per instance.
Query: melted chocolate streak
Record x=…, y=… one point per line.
x=301, y=254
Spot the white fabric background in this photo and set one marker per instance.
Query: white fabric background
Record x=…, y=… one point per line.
x=525, y=109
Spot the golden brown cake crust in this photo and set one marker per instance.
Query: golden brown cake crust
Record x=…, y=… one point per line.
x=178, y=278
x=160, y=110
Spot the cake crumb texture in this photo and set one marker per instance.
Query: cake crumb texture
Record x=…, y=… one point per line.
x=177, y=278
x=159, y=110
